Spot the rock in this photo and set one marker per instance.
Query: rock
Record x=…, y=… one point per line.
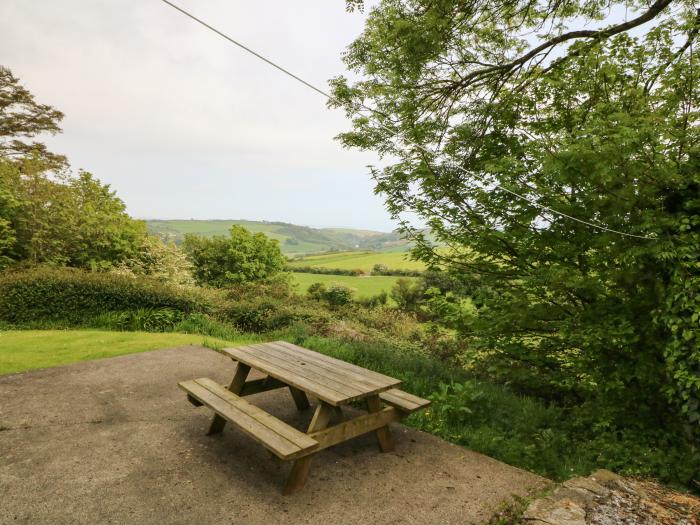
x=587, y=484
x=603, y=475
x=555, y=511
x=605, y=498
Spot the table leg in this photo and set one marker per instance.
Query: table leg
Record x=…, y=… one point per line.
x=300, y=468
x=239, y=377
x=300, y=399
x=384, y=439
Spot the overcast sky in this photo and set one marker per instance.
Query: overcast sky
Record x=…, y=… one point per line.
x=183, y=124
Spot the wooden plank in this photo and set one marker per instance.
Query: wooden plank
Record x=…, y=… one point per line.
x=218, y=423
x=355, y=427
x=291, y=375
x=256, y=386
x=271, y=440
x=329, y=366
x=403, y=400
x=300, y=469
x=276, y=425
x=300, y=399
x=318, y=366
x=384, y=439
x=375, y=377
x=308, y=370
x=320, y=391
x=321, y=362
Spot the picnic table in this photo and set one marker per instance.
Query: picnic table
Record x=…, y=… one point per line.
x=332, y=382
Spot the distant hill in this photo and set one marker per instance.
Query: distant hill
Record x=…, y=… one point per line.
x=293, y=239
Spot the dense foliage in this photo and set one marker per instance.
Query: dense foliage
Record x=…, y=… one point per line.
x=47, y=214
x=488, y=135
x=525, y=431
x=241, y=257
x=72, y=297
x=62, y=219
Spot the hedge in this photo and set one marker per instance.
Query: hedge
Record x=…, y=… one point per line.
x=75, y=296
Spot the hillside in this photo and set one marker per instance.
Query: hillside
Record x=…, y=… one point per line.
x=293, y=239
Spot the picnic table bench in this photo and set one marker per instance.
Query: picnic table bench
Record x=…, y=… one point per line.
x=333, y=382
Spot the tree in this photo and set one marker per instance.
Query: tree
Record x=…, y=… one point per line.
x=8, y=211
x=488, y=134
x=22, y=118
x=241, y=257
x=47, y=214
x=62, y=219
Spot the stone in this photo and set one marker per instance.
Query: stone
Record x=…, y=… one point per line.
x=555, y=511
x=588, y=485
x=602, y=475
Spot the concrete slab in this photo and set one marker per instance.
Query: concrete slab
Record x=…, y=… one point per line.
x=115, y=441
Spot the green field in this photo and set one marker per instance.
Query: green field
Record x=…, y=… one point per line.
x=360, y=260
x=23, y=350
x=365, y=286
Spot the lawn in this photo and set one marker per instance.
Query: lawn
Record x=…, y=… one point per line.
x=23, y=350
x=365, y=286
x=360, y=260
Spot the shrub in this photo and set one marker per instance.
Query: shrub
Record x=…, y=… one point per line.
x=316, y=291
x=163, y=261
x=407, y=294
x=257, y=307
x=374, y=300
x=337, y=294
x=75, y=297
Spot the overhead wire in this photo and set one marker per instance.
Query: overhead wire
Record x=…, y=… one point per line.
x=363, y=107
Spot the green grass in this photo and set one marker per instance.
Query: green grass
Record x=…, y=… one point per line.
x=23, y=350
x=365, y=286
x=360, y=260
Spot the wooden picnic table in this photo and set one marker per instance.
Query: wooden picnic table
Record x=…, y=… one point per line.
x=333, y=382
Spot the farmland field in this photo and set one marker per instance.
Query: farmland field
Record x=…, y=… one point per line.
x=365, y=286
x=293, y=239
x=360, y=260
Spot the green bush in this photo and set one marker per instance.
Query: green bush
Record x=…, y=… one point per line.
x=407, y=294
x=75, y=297
x=261, y=307
x=335, y=294
x=316, y=291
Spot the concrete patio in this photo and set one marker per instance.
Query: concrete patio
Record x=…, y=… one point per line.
x=115, y=441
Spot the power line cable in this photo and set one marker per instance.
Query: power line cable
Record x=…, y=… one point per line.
x=395, y=131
